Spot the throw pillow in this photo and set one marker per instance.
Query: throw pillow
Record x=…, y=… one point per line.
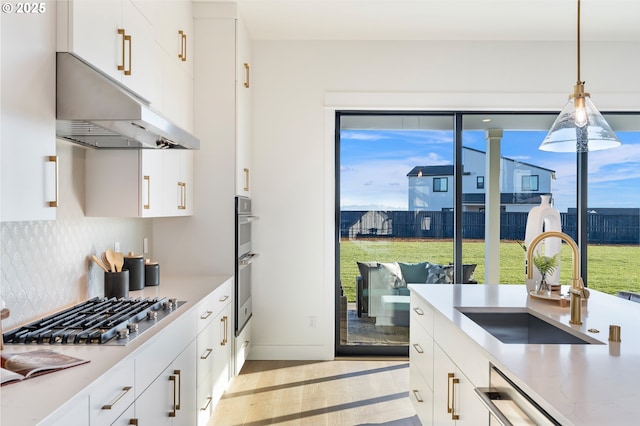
x=392, y=275
x=364, y=268
x=440, y=274
x=414, y=272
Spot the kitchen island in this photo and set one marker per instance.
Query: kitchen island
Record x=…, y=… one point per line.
x=577, y=384
x=50, y=398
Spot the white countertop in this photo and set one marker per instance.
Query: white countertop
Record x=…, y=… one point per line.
x=30, y=401
x=595, y=384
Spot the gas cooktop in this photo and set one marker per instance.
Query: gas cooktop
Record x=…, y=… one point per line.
x=97, y=321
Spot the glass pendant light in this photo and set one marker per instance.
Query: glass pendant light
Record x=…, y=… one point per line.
x=580, y=127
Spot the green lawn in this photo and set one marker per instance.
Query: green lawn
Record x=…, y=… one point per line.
x=611, y=268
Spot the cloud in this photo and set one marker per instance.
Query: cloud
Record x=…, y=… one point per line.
x=360, y=136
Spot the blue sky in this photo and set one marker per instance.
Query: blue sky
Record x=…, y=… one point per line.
x=374, y=165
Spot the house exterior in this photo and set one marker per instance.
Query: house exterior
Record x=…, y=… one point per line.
x=521, y=184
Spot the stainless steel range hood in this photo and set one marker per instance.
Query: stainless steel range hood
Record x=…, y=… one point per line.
x=96, y=111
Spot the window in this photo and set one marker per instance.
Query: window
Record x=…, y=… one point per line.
x=440, y=184
x=480, y=182
x=530, y=183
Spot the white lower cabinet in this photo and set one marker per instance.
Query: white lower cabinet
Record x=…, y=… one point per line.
x=242, y=347
x=445, y=368
x=454, y=399
x=113, y=395
x=171, y=399
x=421, y=395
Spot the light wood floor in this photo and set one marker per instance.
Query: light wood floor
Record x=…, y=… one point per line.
x=341, y=392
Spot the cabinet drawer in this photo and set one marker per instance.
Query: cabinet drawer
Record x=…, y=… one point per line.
x=422, y=313
x=164, y=349
x=421, y=351
x=213, y=304
x=421, y=395
x=206, y=349
x=113, y=394
x=204, y=400
x=242, y=347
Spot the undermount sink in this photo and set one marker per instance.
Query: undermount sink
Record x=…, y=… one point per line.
x=522, y=327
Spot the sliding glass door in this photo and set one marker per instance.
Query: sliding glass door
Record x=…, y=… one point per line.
x=406, y=214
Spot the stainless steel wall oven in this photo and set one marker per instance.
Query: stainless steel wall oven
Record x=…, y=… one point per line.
x=244, y=258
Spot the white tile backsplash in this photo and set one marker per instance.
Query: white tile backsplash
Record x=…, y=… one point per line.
x=45, y=265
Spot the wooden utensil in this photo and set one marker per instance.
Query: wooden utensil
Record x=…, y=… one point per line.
x=99, y=262
x=119, y=260
x=106, y=262
x=111, y=259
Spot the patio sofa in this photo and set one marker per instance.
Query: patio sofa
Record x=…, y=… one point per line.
x=381, y=288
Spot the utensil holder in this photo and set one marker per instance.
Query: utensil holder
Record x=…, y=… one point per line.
x=116, y=284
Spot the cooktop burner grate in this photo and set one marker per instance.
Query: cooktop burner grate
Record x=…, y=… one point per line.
x=96, y=321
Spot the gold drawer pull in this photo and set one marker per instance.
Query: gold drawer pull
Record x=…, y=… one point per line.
x=223, y=298
x=206, y=315
x=124, y=391
x=207, y=352
x=449, y=403
x=206, y=406
x=172, y=413
x=417, y=396
x=418, y=311
x=418, y=348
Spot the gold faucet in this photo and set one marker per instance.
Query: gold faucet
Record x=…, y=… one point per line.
x=577, y=290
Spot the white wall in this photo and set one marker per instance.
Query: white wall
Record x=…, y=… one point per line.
x=293, y=185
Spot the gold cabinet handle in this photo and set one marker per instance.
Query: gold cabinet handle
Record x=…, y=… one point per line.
x=172, y=413
x=454, y=382
x=206, y=315
x=449, y=403
x=182, y=187
x=206, y=353
x=183, y=46
x=177, y=373
x=418, y=311
x=418, y=348
x=133, y=422
x=223, y=298
x=206, y=406
x=417, y=396
x=246, y=179
x=224, y=320
x=245, y=344
x=54, y=159
x=121, y=32
x=247, y=72
x=124, y=391
x=128, y=38
x=148, y=205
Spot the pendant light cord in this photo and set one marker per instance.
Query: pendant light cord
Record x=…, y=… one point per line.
x=579, y=81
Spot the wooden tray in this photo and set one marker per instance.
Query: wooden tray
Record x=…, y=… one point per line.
x=563, y=300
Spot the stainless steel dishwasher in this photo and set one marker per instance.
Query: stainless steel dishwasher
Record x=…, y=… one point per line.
x=509, y=405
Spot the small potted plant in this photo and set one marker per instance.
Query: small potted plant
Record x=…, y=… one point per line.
x=546, y=265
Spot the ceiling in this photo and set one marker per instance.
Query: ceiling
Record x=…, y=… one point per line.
x=540, y=20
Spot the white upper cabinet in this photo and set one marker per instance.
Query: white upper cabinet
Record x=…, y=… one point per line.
x=139, y=183
x=115, y=37
x=28, y=111
x=145, y=45
x=243, y=110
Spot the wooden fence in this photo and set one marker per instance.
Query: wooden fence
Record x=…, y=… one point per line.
x=601, y=228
